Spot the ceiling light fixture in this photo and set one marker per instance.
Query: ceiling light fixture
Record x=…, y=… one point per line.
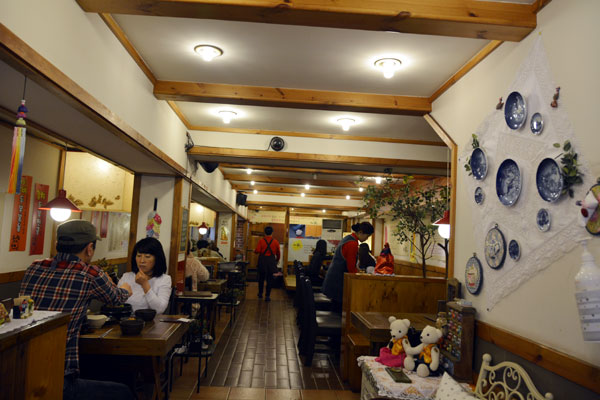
x=346, y=123
x=360, y=189
x=252, y=183
x=347, y=197
x=208, y=52
x=388, y=66
x=302, y=195
x=255, y=191
x=307, y=186
x=292, y=208
x=378, y=180
x=203, y=229
x=323, y=210
x=227, y=115
x=61, y=207
x=249, y=171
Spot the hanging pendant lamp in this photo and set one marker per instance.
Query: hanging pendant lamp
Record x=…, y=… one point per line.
x=60, y=208
x=443, y=225
x=202, y=229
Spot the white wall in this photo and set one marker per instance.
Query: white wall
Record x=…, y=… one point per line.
x=542, y=309
x=41, y=163
x=162, y=188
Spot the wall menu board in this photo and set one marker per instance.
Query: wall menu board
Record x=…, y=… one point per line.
x=185, y=217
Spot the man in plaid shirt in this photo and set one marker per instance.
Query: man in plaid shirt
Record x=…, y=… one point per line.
x=67, y=283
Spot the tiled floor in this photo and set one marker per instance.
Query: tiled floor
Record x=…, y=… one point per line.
x=257, y=359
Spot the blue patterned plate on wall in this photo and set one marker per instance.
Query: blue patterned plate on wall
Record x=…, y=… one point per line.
x=495, y=247
x=543, y=220
x=479, y=195
x=514, y=250
x=515, y=110
x=508, y=182
x=549, y=180
x=536, y=124
x=473, y=275
x=478, y=164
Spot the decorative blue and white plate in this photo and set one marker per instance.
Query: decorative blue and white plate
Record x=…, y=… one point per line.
x=514, y=250
x=549, y=180
x=536, y=124
x=478, y=164
x=473, y=275
x=508, y=182
x=495, y=248
x=515, y=110
x=543, y=220
x=479, y=195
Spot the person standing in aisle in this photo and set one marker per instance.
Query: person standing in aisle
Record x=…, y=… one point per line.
x=268, y=257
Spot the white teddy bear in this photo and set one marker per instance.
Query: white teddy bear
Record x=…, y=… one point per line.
x=428, y=359
x=398, y=331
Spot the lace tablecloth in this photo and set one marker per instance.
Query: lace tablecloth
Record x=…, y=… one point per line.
x=419, y=389
x=20, y=323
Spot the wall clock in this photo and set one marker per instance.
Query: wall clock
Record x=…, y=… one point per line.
x=495, y=248
x=473, y=275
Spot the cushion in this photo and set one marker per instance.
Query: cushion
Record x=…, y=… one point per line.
x=449, y=389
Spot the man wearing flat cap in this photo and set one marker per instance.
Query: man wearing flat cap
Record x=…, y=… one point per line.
x=68, y=283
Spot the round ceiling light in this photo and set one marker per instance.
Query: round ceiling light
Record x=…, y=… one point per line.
x=227, y=115
x=208, y=52
x=346, y=123
x=388, y=66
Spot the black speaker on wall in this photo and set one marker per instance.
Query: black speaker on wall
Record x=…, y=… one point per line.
x=240, y=199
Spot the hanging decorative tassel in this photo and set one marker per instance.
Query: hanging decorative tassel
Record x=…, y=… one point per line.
x=18, y=150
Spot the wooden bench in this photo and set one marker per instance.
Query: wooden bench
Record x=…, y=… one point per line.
x=358, y=345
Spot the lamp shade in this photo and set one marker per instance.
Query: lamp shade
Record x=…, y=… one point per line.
x=443, y=225
x=60, y=208
x=202, y=229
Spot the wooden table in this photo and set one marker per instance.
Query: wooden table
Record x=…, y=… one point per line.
x=212, y=285
x=156, y=340
x=374, y=325
x=207, y=304
x=32, y=359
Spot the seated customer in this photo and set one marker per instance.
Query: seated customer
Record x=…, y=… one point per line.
x=195, y=269
x=319, y=255
x=365, y=259
x=68, y=283
x=204, y=250
x=150, y=284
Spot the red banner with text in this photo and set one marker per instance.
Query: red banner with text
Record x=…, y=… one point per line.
x=18, y=230
x=38, y=220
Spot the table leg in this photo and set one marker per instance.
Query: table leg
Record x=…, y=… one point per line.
x=156, y=372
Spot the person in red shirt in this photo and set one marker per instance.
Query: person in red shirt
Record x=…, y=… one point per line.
x=344, y=260
x=268, y=257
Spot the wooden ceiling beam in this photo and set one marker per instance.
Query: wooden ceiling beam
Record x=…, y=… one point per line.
x=292, y=181
x=257, y=155
x=262, y=189
x=458, y=18
x=317, y=170
x=291, y=98
x=327, y=207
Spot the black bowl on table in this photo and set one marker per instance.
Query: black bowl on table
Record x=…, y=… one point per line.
x=147, y=314
x=115, y=313
x=131, y=326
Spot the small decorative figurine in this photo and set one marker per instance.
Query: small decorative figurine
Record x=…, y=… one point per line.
x=555, y=98
x=4, y=316
x=393, y=354
x=500, y=104
x=428, y=359
x=25, y=307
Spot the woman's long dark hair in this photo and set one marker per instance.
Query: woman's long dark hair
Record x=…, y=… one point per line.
x=364, y=227
x=364, y=256
x=150, y=246
x=321, y=247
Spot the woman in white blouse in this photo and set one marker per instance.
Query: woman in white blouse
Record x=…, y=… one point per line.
x=150, y=284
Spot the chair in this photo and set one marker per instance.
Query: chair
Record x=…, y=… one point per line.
x=327, y=324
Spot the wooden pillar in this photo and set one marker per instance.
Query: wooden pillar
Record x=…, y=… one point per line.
x=175, y=229
x=233, y=236
x=286, y=239
x=374, y=236
x=135, y=214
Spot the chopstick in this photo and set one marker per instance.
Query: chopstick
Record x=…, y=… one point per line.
x=105, y=333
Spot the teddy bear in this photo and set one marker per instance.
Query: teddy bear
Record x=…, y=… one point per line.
x=393, y=354
x=428, y=354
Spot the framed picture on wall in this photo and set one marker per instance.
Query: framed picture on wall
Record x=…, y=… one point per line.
x=185, y=218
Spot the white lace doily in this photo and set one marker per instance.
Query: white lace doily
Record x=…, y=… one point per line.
x=538, y=249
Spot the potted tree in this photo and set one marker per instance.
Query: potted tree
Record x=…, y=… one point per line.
x=412, y=209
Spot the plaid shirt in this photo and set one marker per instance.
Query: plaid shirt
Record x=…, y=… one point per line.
x=67, y=284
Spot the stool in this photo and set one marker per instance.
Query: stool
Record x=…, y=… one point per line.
x=358, y=345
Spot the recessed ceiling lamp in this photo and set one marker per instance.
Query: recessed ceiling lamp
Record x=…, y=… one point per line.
x=255, y=191
x=208, y=52
x=323, y=210
x=252, y=183
x=302, y=195
x=292, y=208
x=378, y=180
x=346, y=123
x=360, y=189
x=347, y=197
x=388, y=66
x=249, y=171
x=307, y=186
x=227, y=115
